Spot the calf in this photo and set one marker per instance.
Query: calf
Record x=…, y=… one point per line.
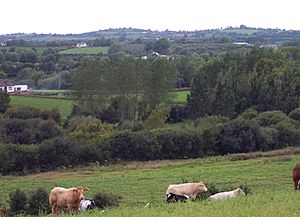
x=87, y=204
x=68, y=198
x=227, y=194
x=176, y=198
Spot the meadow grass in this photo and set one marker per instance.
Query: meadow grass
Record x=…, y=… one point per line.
x=85, y=50
x=181, y=96
x=139, y=183
x=64, y=106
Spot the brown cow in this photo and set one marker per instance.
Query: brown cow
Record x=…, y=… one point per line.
x=186, y=190
x=66, y=198
x=296, y=175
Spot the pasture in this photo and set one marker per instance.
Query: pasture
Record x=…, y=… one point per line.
x=139, y=183
x=85, y=50
x=64, y=106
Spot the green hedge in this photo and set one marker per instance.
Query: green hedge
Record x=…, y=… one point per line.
x=236, y=136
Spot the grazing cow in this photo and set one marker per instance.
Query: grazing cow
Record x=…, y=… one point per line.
x=186, y=190
x=87, y=204
x=176, y=198
x=227, y=194
x=296, y=176
x=68, y=198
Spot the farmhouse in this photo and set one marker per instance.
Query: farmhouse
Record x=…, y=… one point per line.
x=81, y=45
x=7, y=86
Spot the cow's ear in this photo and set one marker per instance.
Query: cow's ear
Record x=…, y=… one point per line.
x=85, y=189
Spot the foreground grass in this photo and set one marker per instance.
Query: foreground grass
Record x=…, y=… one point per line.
x=139, y=183
x=64, y=106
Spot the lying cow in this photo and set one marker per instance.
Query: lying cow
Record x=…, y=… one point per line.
x=68, y=198
x=227, y=194
x=87, y=204
x=186, y=190
x=176, y=198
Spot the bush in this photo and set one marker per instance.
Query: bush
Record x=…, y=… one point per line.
x=295, y=114
x=39, y=202
x=269, y=118
x=17, y=201
x=106, y=200
x=28, y=112
x=29, y=131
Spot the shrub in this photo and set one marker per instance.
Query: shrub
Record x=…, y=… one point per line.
x=269, y=118
x=157, y=117
x=27, y=112
x=106, y=200
x=17, y=201
x=38, y=202
x=295, y=114
x=91, y=128
x=249, y=114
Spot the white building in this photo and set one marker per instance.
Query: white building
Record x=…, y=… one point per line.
x=7, y=86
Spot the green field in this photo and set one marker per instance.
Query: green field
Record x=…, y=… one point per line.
x=63, y=105
x=85, y=50
x=139, y=183
x=181, y=96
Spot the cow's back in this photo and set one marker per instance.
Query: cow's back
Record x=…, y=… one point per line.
x=59, y=196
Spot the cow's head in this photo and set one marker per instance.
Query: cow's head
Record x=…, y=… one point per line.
x=202, y=187
x=240, y=192
x=79, y=192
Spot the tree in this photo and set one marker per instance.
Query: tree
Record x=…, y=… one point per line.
x=4, y=101
x=198, y=102
x=158, y=83
x=157, y=117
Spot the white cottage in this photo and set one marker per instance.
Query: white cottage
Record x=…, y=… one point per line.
x=7, y=86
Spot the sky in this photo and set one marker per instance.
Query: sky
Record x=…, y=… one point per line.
x=79, y=16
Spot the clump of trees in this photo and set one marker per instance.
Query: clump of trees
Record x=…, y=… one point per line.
x=262, y=79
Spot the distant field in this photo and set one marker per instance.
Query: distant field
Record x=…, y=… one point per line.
x=85, y=50
x=139, y=183
x=63, y=105
x=241, y=31
x=181, y=96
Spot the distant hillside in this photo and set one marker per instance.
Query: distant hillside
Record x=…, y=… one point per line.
x=240, y=34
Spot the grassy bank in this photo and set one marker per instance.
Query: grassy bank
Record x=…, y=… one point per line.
x=139, y=183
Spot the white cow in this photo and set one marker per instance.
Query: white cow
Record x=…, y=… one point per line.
x=227, y=194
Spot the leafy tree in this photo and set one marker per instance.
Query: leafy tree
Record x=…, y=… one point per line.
x=4, y=101
x=157, y=117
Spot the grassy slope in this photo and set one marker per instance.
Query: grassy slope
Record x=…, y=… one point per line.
x=63, y=105
x=85, y=50
x=140, y=183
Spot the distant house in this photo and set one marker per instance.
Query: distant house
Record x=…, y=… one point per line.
x=7, y=86
x=2, y=44
x=81, y=45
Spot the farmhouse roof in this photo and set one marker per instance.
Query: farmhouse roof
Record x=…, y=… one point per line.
x=5, y=83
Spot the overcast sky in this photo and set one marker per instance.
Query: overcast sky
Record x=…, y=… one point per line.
x=78, y=16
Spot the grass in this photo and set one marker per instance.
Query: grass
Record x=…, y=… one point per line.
x=85, y=50
x=139, y=183
x=64, y=106
x=181, y=96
